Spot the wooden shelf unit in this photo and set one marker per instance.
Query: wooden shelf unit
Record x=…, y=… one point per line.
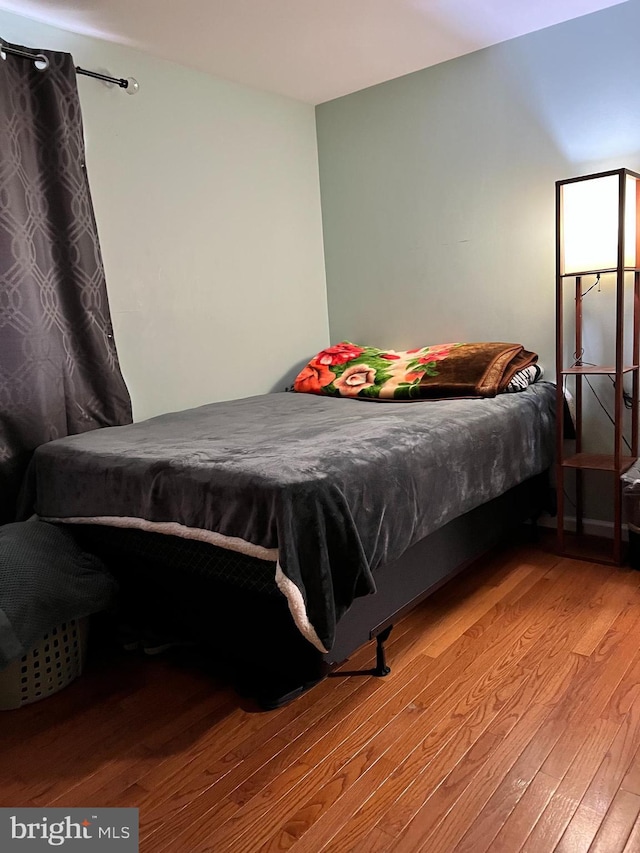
x=616, y=463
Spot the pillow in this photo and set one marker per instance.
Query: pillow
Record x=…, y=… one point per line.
x=524, y=378
x=437, y=371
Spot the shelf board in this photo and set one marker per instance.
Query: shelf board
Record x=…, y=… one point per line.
x=596, y=368
x=598, y=462
x=603, y=271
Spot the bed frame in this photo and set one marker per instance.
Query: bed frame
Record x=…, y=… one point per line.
x=229, y=604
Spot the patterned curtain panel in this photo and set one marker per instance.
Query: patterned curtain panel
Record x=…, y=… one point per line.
x=59, y=371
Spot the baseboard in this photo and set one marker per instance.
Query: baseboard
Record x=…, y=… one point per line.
x=591, y=526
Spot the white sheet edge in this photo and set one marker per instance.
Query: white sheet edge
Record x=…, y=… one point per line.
x=231, y=543
x=297, y=609
x=172, y=528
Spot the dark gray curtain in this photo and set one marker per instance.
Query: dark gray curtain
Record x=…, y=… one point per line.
x=59, y=371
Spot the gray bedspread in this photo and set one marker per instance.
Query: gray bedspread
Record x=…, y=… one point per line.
x=337, y=486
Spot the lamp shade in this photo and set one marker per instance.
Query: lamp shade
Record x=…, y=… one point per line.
x=597, y=214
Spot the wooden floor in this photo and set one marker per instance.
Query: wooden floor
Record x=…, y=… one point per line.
x=510, y=722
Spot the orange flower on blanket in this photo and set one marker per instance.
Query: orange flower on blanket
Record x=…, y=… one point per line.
x=354, y=379
x=313, y=378
x=339, y=353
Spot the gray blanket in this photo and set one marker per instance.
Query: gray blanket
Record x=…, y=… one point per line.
x=337, y=486
x=45, y=579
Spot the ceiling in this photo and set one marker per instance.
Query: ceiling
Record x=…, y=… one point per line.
x=312, y=50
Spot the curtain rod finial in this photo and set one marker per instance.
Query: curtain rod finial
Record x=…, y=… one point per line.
x=132, y=86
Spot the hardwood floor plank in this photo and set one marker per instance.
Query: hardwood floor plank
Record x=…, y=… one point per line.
x=444, y=834
x=250, y=796
x=322, y=752
x=525, y=815
x=278, y=730
x=400, y=813
x=551, y=825
x=633, y=841
x=614, y=765
x=498, y=808
x=581, y=831
x=631, y=781
x=252, y=813
x=505, y=612
x=604, y=609
x=316, y=824
x=617, y=825
x=421, y=790
x=401, y=793
x=590, y=697
x=626, y=693
x=437, y=803
x=198, y=777
x=444, y=609
x=475, y=607
x=156, y=743
x=96, y=739
x=415, y=773
x=437, y=750
x=562, y=597
x=510, y=724
x=571, y=624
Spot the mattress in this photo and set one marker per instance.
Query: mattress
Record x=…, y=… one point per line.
x=326, y=489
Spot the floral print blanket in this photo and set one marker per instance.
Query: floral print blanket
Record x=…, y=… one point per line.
x=431, y=372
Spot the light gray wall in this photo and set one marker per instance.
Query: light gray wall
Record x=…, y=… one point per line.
x=438, y=193
x=207, y=202
x=438, y=187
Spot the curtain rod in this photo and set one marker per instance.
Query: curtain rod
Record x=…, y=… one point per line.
x=130, y=84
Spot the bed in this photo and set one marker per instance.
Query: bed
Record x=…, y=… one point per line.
x=283, y=531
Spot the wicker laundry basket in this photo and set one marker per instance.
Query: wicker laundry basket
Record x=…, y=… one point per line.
x=52, y=664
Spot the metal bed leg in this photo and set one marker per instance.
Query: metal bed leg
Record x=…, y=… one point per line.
x=381, y=668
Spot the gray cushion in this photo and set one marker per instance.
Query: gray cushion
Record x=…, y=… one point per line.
x=45, y=579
